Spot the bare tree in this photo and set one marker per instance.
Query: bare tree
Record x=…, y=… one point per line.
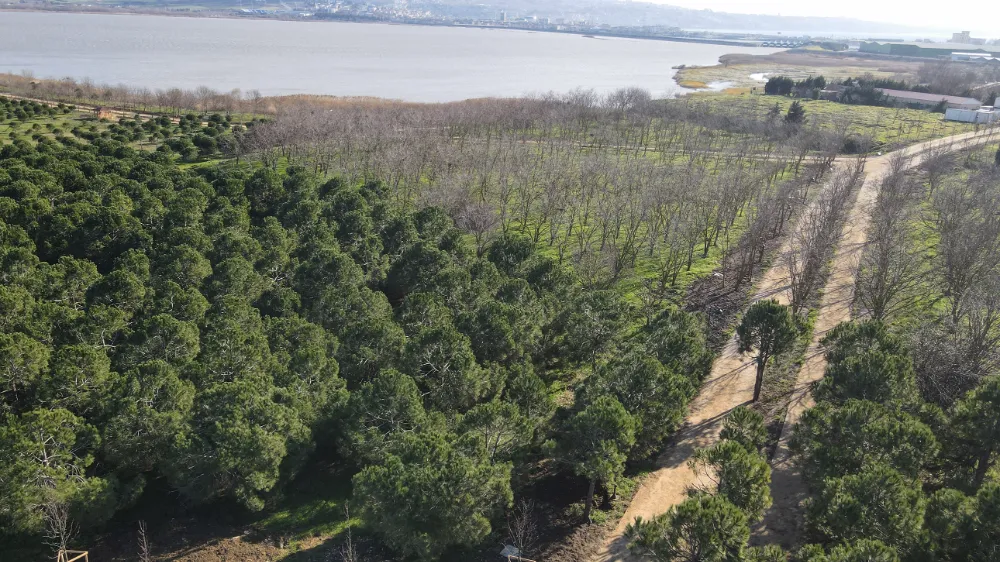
x=890, y=268
x=145, y=552
x=522, y=527
x=969, y=228
x=60, y=530
x=815, y=238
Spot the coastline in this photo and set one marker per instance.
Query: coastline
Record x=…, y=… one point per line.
x=117, y=10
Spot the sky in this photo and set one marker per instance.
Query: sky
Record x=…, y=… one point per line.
x=927, y=14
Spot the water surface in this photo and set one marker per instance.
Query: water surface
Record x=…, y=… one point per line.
x=417, y=63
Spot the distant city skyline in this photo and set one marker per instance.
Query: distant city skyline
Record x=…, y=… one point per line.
x=926, y=15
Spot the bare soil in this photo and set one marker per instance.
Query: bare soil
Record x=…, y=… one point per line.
x=783, y=522
x=731, y=383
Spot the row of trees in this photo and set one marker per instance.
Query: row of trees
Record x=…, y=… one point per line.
x=130, y=98
x=606, y=183
x=785, y=86
x=900, y=275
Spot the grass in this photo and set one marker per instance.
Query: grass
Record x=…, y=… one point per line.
x=890, y=126
x=46, y=125
x=740, y=74
x=692, y=84
x=315, y=507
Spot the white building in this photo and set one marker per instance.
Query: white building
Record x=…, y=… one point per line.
x=982, y=116
x=972, y=57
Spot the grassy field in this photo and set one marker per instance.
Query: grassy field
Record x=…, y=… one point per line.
x=742, y=73
x=889, y=126
x=48, y=126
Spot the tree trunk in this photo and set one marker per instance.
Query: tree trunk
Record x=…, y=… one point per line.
x=982, y=466
x=590, y=499
x=760, y=381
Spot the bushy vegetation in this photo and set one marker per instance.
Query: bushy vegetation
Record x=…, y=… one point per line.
x=217, y=329
x=441, y=303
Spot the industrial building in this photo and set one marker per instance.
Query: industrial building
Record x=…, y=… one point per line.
x=966, y=38
x=919, y=99
x=982, y=116
x=974, y=57
x=926, y=50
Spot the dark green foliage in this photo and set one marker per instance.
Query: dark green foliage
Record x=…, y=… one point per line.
x=43, y=458
x=745, y=426
x=211, y=329
x=704, y=528
x=863, y=550
x=431, y=491
x=779, y=86
x=836, y=441
x=591, y=324
x=945, y=523
x=865, y=362
x=596, y=443
x=510, y=251
x=769, y=553
x=975, y=432
x=768, y=328
x=877, y=503
x=677, y=339
x=240, y=431
x=743, y=477
x=653, y=394
x=796, y=113
x=983, y=526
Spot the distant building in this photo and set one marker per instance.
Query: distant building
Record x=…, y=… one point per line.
x=982, y=116
x=924, y=50
x=973, y=57
x=930, y=100
x=962, y=37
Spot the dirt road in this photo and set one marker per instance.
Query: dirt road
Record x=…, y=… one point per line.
x=731, y=382
x=783, y=522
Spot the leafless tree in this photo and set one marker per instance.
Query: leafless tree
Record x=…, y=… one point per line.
x=891, y=267
x=815, y=238
x=969, y=228
x=349, y=551
x=523, y=527
x=60, y=530
x=145, y=552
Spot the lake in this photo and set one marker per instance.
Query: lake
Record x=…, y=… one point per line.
x=415, y=63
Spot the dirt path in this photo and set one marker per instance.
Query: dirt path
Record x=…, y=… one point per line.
x=783, y=523
x=731, y=382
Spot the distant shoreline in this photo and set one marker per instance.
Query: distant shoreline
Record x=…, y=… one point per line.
x=508, y=27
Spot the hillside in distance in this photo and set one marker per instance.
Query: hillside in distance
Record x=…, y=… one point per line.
x=599, y=12
x=616, y=12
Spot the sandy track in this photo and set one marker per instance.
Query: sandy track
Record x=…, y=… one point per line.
x=730, y=384
x=783, y=522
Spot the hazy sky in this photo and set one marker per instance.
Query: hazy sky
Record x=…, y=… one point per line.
x=920, y=13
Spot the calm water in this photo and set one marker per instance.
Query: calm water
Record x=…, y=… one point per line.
x=276, y=57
